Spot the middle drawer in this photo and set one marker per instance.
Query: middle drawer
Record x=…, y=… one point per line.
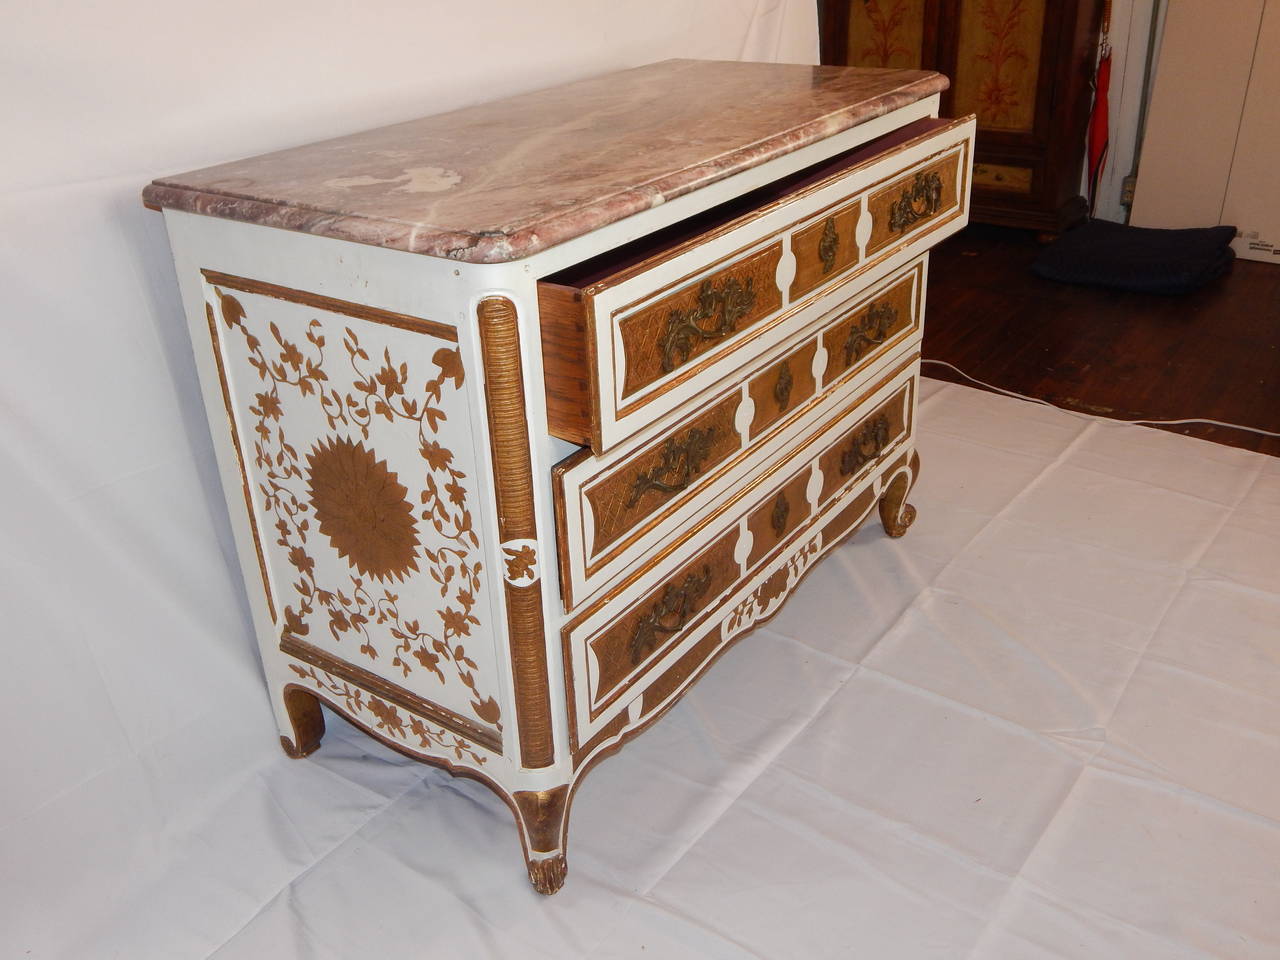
x=614, y=511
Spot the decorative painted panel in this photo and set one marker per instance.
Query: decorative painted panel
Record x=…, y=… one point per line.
x=698, y=318
x=913, y=204
x=625, y=496
x=1004, y=177
x=998, y=62
x=355, y=444
x=886, y=33
x=825, y=249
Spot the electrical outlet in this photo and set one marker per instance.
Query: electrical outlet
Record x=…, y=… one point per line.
x=1126, y=190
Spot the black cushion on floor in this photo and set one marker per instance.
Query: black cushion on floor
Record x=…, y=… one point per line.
x=1105, y=254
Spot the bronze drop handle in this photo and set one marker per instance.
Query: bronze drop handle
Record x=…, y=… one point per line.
x=670, y=614
x=724, y=306
x=918, y=202
x=681, y=462
x=865, y=446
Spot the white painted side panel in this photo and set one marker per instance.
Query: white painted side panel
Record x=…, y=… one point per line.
x=453, y=475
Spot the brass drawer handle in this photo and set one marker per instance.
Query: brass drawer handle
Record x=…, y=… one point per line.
x=684, y=327
x=871, y=331
x=828, y=245
x=680, y=464
x=919, y=201
x=867, y=444
x=782, y=386
x=781, y=510
x=670, y=614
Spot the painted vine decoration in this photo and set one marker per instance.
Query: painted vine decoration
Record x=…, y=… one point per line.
x=520, y=562
x=1005, y=57
x=380, y=553
x=386, y=717
x=771, y=588
x=884, y=43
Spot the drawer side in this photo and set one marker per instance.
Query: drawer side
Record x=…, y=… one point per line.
x=563, y=318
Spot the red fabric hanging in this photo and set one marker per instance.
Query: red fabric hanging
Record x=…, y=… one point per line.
x=1099, y=132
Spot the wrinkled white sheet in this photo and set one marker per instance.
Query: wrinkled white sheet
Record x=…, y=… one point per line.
x=1042, y=724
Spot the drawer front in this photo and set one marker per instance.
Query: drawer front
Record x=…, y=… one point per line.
x=614, y=512
x=908, y=210
x=663, y=331
x=683, y=326
x=615, y=648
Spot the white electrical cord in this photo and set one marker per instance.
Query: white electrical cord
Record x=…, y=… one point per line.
x=1087, y=416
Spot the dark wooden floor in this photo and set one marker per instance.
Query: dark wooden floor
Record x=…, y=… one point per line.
x=1211, y=354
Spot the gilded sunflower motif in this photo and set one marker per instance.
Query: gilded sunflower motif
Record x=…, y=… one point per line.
x=360, y=506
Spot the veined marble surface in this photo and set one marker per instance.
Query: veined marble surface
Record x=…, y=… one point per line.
x=506, y=179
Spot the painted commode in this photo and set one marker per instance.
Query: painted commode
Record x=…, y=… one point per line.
x=524, y=412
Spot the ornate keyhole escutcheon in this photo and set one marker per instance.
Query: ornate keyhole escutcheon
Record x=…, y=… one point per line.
x=782, y=386
x=828, y=245
x=781, y=510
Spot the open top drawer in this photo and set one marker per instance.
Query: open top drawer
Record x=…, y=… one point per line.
x=631, y=335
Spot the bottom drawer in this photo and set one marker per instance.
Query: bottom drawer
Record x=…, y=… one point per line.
x=669, y=619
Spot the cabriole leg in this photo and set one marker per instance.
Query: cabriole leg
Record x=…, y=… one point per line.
x=895, y=513
x=305, y=720
x=544, y=816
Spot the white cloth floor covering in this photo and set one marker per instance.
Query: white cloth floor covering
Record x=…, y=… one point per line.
x=1043, y=724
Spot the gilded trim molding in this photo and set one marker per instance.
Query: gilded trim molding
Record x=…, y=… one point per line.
x=216, y=344
x=359, y=311
x=513, y=486
x=392, y=693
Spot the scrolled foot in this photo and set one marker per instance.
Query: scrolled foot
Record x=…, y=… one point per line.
x=895, y=513
x=547, y=875
x=307, y=721
x=897, y=527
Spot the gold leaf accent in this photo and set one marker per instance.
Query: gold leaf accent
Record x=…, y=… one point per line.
x=361, y=507
x=375, y=387
x=520, y=562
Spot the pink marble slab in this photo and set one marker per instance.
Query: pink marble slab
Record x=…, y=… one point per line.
x=504, y=180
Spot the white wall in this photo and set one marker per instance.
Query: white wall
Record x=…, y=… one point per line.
x=124, y=628
x=1201, y=80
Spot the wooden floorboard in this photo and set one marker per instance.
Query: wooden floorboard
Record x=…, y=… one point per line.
x=1213, y=354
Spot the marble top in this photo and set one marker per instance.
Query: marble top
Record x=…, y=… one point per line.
x=504, y=180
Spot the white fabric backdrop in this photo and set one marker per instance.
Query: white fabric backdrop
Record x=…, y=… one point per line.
x=125, y=630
